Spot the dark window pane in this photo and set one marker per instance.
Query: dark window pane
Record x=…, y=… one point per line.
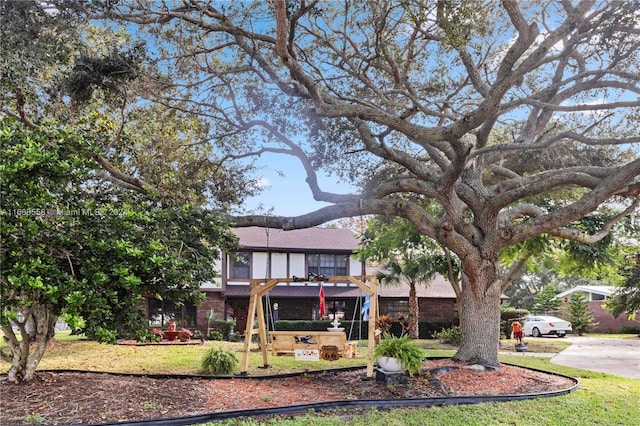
x=327, y=264
x=162, y=311
x=397, y=307
x=240, y=265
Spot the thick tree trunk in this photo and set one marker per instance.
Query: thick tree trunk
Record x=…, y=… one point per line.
x=36, y=331
x=480, y=320
x=414, y=314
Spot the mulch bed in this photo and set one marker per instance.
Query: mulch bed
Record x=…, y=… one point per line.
x=75, y=398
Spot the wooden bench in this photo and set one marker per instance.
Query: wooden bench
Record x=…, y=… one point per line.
x=286, y=342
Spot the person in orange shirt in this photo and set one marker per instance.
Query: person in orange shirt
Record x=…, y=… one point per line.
x=516, y=328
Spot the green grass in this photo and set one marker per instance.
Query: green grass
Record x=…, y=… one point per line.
x=610, y=335
x=78, y=353
x=537, y=344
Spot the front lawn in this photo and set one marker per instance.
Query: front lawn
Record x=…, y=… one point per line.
x=601, y=399
x=77, y=353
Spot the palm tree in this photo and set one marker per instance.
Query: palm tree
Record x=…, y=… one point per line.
x=413, y=270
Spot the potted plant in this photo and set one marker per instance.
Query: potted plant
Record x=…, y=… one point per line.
x=396, y=354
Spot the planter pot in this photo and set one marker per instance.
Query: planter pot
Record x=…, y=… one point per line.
x=521, y=347
x=171, y=335
x=390, y=364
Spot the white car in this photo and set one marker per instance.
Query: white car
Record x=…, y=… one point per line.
x=540, y=325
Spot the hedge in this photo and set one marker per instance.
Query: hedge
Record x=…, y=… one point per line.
x=360, y=328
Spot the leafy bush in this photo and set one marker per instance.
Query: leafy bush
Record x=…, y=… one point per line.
x=449, y=335
x=427, y=329
x=383, y=322
x=215, y=335
x=357, y=329
x=403, y=349
x=219, y=361
x=629, y=329
x=223, y=327
x=103, y=335
x=185, y=334
x=146, y=336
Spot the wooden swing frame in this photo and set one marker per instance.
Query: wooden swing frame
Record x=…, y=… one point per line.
x=259, y=287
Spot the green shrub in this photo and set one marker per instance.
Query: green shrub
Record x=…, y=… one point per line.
x=219, y=361
x=235, y=337
x=449, y=335
x=145, y=336
x=224, y=327
x=103, y=335
x=215, y=335
x=629, y=329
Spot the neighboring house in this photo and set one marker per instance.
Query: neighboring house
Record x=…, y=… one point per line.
x=272, y=253
x=595, y=295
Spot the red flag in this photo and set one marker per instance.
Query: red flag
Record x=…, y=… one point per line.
x=322, y=305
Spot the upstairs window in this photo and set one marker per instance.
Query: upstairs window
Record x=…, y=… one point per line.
x=327, y=264
x=240, y=265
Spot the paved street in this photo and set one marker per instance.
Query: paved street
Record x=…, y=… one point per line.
x=620, y=357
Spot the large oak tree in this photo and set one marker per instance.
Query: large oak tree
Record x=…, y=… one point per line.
x=517, y=118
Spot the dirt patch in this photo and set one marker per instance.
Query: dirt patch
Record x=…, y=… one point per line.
x=76, y=398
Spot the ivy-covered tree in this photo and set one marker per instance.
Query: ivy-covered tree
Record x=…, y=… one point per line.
x=72, y=244
x=580, y=316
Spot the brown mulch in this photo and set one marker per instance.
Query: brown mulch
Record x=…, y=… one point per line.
x=77, y=398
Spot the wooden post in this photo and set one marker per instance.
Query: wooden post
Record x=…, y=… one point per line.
x=372, y=290
x=258, y=289
x=262, y=330
x=371, y=341
x=248, y=332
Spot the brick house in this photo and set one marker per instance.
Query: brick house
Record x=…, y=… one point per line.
x=595, y=296
x=272, y=253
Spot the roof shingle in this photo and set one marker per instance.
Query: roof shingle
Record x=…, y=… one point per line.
x=298, y=239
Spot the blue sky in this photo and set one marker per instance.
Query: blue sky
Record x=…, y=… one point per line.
x=288, y=193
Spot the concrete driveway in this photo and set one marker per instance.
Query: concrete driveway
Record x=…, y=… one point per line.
x=620, y=357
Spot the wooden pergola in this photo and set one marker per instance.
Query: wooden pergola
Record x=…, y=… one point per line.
x=259, y=287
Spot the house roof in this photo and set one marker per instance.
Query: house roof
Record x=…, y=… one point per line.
x=438, y=288
x=297, y=239
x=604, y=290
